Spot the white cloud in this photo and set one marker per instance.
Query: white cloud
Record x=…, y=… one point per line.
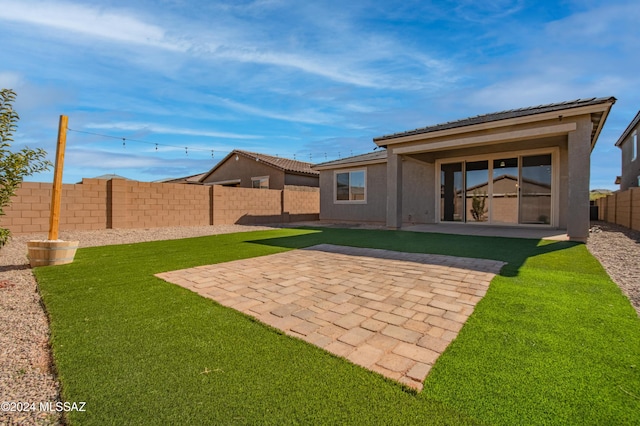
x=308, y=116
x=10, y=80
x=89, y=21
x=366, y=60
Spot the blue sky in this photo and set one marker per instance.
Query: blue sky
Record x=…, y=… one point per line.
x=315, y=80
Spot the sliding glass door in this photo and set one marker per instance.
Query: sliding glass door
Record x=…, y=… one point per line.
x=451, y=193
x=535, y=193
x=477, y=191
x=509, y=190
x=504, y=196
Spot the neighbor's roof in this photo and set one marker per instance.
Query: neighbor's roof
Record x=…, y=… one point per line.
x=184, y=179
x=110, y=176
x=285, y=164
x=629, y=128
x=503, y=115
x=369, y=158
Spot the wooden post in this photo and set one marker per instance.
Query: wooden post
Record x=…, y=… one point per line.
x=56, y=194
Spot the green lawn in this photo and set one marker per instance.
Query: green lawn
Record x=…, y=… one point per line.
x=553, y=342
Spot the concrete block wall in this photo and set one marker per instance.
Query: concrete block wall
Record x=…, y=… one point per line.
x=246, y=206
x=301, y=200
x=151, y=205
x=83, y=207
x=100, y=204
x=622, y=208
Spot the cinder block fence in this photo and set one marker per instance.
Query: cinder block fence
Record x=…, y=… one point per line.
x=622, y=208
x=118, y=203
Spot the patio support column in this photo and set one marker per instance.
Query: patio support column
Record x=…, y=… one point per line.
x=579, y=171
x=394, y=191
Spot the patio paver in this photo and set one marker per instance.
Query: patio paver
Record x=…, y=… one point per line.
x=391, y=312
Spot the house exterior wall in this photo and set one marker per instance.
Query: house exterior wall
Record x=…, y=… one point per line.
x=579, y=173
x=245, y=169
x=418, y=194
x=563, y=185
x=301, y=180
x=630, y=166
x=413, y=160
x=375, y=208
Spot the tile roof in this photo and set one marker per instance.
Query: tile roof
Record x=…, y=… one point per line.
x=496, y=116
x=284, y=164
x=184, y=179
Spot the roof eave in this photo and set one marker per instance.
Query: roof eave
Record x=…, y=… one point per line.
x=361, y=163
x=605, y=114
x=628, y=130
x=605, y=106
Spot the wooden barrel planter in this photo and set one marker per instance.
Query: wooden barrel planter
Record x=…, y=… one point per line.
x=46, y=253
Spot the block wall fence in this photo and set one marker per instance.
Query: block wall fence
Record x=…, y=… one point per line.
x=622, y=208
x=111, y=204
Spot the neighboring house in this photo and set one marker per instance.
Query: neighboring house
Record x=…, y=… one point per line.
x=252, y=170
x=628, y=144
x=523, y=167
x=192, y=180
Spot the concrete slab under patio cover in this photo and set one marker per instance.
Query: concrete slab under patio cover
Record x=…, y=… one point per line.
x=391, y=312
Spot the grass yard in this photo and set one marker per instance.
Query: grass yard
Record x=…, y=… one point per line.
x=554, y=341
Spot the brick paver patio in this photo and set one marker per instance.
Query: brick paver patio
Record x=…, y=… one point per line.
x=391, y=312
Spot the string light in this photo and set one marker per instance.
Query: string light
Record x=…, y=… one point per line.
x=186, y=148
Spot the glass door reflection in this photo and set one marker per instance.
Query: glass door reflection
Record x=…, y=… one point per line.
x=477, y=190
x=504, y=197
x=535, y=194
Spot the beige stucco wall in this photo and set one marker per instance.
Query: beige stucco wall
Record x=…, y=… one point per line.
x=375, y=208
x=418, y=193
x=301, y=180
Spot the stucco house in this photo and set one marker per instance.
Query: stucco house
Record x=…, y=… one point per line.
x=526, y=167
x=628, y=144
x=253, y=170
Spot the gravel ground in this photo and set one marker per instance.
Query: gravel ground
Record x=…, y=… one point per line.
x=25, y=359
x=618, y=249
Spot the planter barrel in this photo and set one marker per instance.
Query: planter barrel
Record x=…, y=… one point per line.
x=46, y=253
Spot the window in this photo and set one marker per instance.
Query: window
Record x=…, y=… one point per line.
x=634, y=146
x=350, y=186
x=260, y=182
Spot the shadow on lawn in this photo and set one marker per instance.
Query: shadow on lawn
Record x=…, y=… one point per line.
x=514, y=251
